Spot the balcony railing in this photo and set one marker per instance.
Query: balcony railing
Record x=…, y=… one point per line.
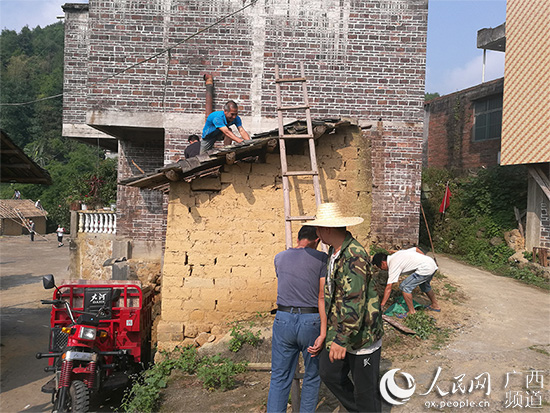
x=97, y=222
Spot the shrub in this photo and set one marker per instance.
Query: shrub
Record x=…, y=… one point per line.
x=218, y=372
x=241, y=335
x=480, y=211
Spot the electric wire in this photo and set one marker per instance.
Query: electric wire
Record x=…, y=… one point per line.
x=152, y=57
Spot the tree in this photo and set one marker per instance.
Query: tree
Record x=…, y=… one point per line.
x=32, y=69
x=430, y=96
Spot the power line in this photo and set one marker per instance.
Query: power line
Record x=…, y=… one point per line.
x=32, y=101
x=168, y=49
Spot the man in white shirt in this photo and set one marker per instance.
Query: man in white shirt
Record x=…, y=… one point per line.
x=421, y=269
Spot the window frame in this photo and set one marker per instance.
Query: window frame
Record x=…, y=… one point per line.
x=487, y=113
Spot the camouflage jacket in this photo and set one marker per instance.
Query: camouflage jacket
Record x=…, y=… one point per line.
x=354, y=319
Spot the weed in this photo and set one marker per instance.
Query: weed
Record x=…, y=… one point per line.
x=217, y=372
x=421, y=323
x=539, y=350
x=441, y=337
x=439, y=275
x=450, y=288
x=241, y=335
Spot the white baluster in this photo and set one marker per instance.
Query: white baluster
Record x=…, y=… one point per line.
x=114, y=223
x=87, y=222
x=110, y=225
x=80, y=222
x=95, y=220
x=100, y=219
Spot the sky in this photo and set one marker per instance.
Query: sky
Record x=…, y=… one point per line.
x=453, y=61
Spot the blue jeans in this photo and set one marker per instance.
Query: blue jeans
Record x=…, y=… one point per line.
x=209, y=140
x=293, y=333
x=414, y=280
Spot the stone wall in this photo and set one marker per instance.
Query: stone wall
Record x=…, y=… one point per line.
x=224, y=232
x=88, y=253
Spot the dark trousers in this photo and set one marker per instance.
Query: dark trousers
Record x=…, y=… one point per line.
x=361, y=394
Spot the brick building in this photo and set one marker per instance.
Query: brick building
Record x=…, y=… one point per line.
x=505, y=121
x=134, y=79
x=526, y=109
x=464, y=128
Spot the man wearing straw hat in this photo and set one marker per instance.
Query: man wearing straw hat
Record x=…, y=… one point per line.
x=354, y=320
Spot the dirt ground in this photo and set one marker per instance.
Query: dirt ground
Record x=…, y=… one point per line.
x=498, y=329
x=25, y=322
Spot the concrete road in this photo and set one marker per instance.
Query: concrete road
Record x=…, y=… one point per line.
x=24, y=320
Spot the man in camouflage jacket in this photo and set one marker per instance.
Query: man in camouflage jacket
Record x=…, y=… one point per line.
x=354, y=319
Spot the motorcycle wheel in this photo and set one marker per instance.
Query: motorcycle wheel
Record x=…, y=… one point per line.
x=78, y=399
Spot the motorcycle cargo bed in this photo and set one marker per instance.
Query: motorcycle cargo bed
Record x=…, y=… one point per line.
x=127, y=322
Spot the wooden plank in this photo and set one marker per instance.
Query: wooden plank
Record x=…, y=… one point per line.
x=290, y=79
x=301, y=173
x=295, y=107
x=297, y=136
x=394, y=323
x=520, y=225
x=300, y=218
x=540, y=179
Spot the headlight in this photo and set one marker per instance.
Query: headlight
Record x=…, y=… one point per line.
x=87, y=333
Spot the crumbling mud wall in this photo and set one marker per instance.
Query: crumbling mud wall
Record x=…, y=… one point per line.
x=224, y=232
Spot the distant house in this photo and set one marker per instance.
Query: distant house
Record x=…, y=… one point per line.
x=13, y=213
x=505, y=121
x=464, y=128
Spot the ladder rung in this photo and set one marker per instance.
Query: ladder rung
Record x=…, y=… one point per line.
x=290, y=79
x=297, y=107
x=295, y=136
x=300, y=173
x=300, y=218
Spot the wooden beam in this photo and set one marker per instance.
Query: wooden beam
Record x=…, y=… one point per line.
x=541, y=179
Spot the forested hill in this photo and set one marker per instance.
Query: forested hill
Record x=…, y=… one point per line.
x=31, y=70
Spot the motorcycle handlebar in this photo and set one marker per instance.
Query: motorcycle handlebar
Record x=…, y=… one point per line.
x=46, y=355
x=53, y=302
x=113, y=353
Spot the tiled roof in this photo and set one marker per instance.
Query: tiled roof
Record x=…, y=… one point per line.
x=9, y=208
x=210, y=163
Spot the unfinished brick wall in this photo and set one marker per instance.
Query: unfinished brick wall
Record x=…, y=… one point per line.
x=450, y=131
x=75, y=70
x=364, y=60
x=220, y=244
x=140, y=212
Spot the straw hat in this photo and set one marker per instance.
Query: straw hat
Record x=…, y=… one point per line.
x=329, y=215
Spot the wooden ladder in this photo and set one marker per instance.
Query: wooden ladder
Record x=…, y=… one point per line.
x=314, y=172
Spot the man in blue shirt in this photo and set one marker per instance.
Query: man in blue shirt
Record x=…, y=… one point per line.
x=217, y=126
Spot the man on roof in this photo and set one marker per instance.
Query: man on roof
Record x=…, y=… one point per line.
x=217, y=126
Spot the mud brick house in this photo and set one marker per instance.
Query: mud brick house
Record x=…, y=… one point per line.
x=134, y=79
